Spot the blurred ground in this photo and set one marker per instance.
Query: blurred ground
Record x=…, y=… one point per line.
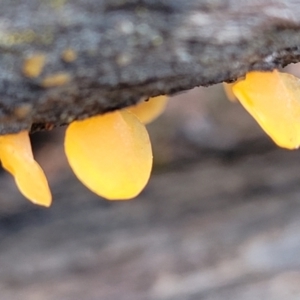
x=220, y=218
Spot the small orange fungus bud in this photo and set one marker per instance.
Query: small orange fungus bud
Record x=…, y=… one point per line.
x=16, y=156
x=111, y=154
x=147, y=111
x=69, y=55
x=273, y=99
x=55, y=80
x=33, y=65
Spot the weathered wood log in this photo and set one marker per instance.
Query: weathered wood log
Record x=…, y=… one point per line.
x=219, y=233
x=63, y=60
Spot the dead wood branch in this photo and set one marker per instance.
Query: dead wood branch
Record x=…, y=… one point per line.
x=62, y=60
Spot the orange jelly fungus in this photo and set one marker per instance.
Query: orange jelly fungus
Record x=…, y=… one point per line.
x=16, y=157
x=273, y=99
x=148, y=111
x=111, y=154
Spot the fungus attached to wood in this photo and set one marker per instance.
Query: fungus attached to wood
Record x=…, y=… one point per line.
x=273, y=99
x=33, y=65
x=16, y=157
x=111, y=154
x=55, y=80
x=148, y=111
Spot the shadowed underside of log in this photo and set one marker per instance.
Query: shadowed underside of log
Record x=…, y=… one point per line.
x=62, y=60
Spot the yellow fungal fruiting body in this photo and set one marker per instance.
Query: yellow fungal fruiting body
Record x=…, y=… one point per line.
x=273, y=99
x=55, y=80
x=149, y=110
x=16, y=157
x=33, y=65
x=111, y=154
x=69, y=55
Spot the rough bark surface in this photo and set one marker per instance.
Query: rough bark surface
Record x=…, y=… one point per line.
x=102, y=55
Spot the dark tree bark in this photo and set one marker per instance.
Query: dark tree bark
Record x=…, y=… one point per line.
x=63, y=60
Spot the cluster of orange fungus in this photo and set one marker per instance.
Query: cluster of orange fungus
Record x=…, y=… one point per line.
x=147, y=111
x=16, y=157
x=273, y=99
x=111, y=154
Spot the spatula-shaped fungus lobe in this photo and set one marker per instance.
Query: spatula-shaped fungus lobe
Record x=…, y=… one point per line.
x=110, y=154
x=273, y=99
x=17, y=158
x=148, y=111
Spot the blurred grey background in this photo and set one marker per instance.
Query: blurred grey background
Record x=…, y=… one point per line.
x=220, y=218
